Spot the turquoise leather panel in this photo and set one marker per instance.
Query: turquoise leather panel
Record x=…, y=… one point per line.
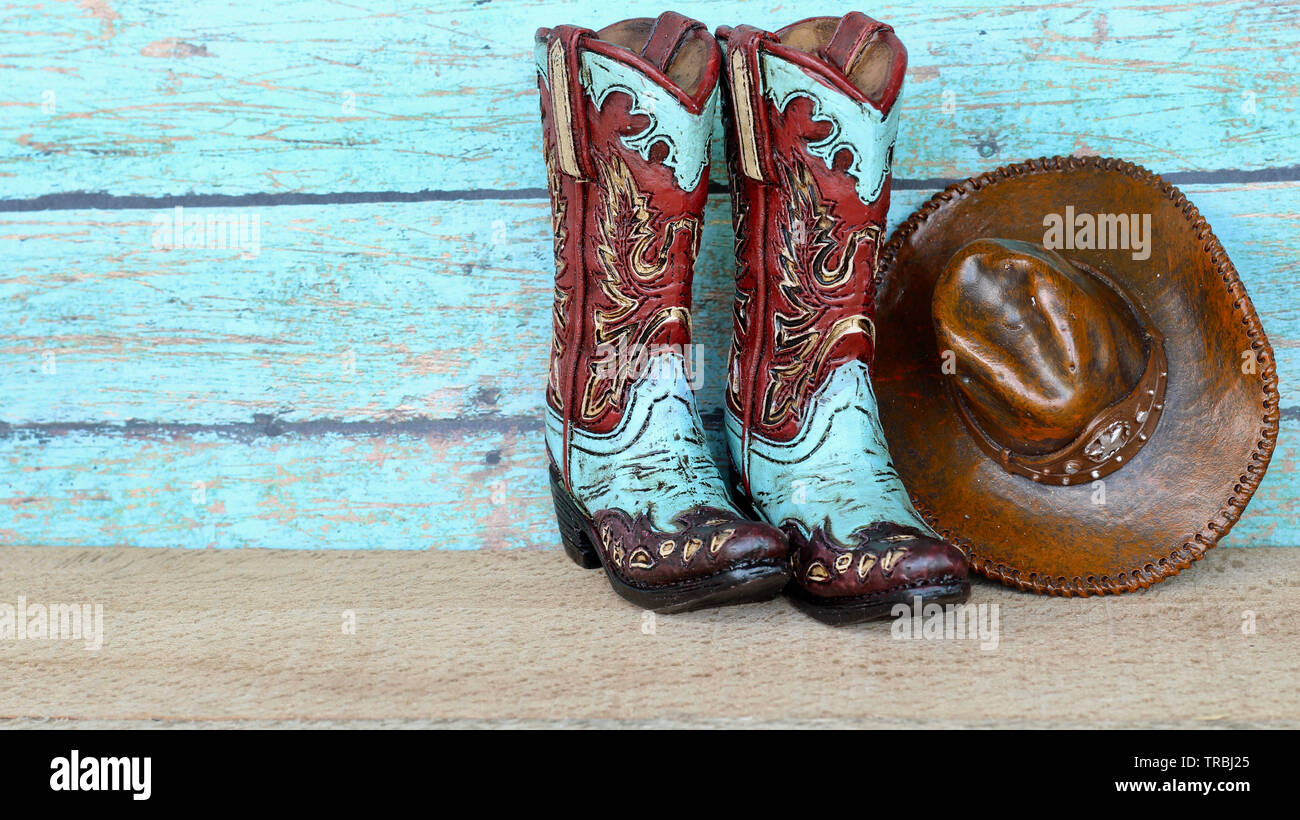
x=656, y=461
x=836, y=472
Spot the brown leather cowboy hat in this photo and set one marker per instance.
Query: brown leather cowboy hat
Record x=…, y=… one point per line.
x=1074, y=384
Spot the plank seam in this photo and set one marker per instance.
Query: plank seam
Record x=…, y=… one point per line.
x=263, y=427
x=94, y=200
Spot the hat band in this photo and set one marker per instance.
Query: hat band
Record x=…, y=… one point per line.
x=1110, y=440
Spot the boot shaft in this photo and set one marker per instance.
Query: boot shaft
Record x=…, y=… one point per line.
x=811, y=119
x=627, y=117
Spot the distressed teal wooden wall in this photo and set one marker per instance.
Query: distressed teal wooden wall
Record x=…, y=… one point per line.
x=371, y=375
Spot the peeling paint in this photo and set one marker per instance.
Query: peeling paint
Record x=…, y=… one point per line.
x=175, y=48
x=370, y=100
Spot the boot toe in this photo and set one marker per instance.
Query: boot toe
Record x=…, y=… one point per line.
x=709, y=541
x=744, y=542
x=929, y=559
x=885, y=558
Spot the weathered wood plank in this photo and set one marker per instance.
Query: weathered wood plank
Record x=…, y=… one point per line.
x=356, y=312
x=158, y=98
x=441, y=490
x=386, y=312
x=451, y=487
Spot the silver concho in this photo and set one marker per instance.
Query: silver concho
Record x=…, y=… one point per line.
x=1108, y=442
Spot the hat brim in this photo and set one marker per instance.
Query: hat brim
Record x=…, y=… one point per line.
x=1191, y=481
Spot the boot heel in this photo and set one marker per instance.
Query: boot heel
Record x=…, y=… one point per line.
x=574, y=527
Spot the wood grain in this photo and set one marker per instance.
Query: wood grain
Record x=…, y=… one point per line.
x=448, y=488
x=157, y=98
x=347, y=312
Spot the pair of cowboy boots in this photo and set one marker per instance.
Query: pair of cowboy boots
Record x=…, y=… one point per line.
x=813, y=504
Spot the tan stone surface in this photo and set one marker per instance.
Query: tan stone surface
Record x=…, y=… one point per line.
x=523, y=638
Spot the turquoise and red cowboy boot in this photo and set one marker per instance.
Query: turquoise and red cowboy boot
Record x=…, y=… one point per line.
x=627, y=117
x=811, y=118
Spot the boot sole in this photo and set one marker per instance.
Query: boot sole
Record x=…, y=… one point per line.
x=760, y=581
x=848, y=611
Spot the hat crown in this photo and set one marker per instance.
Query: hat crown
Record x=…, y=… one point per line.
x=1042, y=346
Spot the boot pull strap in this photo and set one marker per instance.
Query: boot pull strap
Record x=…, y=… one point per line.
x=745, y=80
x=854, y=32
x=564, y=67
x=666, y=38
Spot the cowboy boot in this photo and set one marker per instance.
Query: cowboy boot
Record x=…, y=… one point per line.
x=811, y=116
x=627, y=116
